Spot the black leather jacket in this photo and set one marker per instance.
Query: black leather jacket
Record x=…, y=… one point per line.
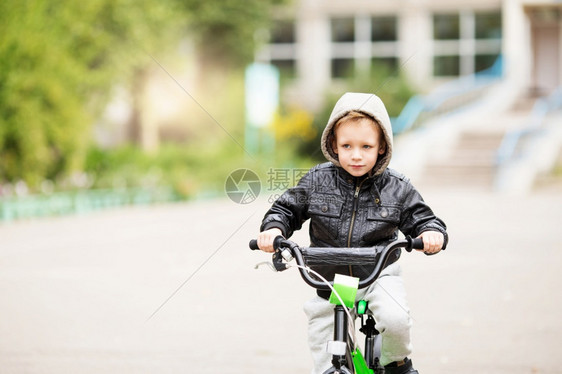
x=352, y=212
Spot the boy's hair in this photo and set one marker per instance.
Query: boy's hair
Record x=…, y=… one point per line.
x=354, y=116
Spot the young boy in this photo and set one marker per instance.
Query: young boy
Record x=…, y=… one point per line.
x=356, y=201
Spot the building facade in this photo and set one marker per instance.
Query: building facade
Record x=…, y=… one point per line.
x=315, y=43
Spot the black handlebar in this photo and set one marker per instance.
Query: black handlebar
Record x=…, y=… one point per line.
x=379, y=256
x=416, y=243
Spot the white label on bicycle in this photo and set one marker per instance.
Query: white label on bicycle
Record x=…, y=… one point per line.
x=336, y=348
x=346, y=280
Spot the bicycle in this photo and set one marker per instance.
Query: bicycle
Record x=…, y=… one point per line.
x=347, y=358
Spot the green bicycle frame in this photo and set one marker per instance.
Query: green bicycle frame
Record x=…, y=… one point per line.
x=359, y=363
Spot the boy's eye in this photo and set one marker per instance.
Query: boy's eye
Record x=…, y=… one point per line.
x=346, y=146
x=366, y=146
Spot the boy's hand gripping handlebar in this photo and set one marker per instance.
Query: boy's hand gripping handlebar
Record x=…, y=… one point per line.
x=283, y=251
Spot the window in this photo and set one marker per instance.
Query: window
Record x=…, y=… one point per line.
x=390, y=63
x=281, y=50
x=343, y=67
x=466, y=43
x=488, y=25
x=360, y=42
x=283, y=32
x=343, y=30
x=383, y=29
x=446, y=66
x=484, y=61
x=343, y=61
x=446, y=26
x=287, y=69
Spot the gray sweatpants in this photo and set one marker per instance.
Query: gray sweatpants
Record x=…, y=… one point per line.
x=387, y=301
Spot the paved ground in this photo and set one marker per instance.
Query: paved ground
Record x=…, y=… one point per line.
x=77, y=292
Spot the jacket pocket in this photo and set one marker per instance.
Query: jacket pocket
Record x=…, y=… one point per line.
x=325, y=215
x=382, y=222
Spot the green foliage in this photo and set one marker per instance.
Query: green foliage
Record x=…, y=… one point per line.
x=60, y=59
x=188, y=170
x=40, y=82
x=225, y=30
x=57, y=64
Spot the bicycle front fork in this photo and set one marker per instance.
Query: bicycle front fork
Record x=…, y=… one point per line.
x=342, y=345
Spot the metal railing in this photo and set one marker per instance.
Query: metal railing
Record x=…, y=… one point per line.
x=81, y=201
x=512, y=139
x=447, y=98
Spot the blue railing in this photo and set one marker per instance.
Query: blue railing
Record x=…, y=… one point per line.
x=511, y=140
x=454, y=92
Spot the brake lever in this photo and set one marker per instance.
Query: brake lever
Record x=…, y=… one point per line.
x=269, y=264
x=278, y=263
x=281, y=253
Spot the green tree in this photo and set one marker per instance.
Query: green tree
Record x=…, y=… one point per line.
x=60, y=59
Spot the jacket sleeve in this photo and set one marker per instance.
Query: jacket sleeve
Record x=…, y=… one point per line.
x=418, y=217
x=289, y=211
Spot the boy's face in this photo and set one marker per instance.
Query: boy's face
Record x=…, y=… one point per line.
x=358, y=145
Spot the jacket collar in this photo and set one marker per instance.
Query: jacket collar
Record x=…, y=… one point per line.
x=352, y=181
x=370, y=182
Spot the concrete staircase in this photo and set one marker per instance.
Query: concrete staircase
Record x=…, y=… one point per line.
x=458, y=151
x=470, y=163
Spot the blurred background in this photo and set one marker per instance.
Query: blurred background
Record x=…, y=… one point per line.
x=119, y=102
x=127, y=128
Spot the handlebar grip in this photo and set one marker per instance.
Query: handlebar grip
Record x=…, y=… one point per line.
x=417, y=243
x=277, y=242
x=254, y=245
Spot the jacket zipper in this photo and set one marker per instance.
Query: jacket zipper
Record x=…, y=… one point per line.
x=355, y=203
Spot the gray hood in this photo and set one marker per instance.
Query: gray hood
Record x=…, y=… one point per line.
x=366, y=103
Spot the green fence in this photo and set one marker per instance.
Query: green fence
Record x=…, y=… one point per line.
x=78, y=202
